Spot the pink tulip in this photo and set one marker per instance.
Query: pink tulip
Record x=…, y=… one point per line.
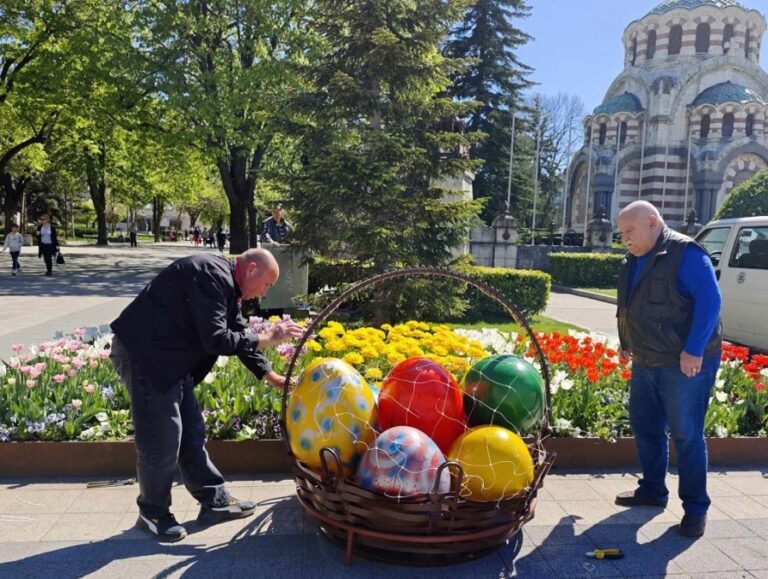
x=78, y=363
x=31, y=384
x=76, y=403
x=17, y=347
x=93, y=364
x=104, y=354
x=59, y=378
x=79, y=333
x=72, y=373
x=89, y=388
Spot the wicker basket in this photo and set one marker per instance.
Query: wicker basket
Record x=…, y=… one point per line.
x=436, y=529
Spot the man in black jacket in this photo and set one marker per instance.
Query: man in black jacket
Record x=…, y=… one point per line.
x=166, y=341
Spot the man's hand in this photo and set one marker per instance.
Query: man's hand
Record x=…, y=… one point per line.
x=277, y=381
x=690, y=365
x=280, y=332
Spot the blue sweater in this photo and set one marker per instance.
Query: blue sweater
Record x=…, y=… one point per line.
x=696, y=280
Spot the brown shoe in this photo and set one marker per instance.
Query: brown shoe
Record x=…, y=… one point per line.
x=692, y=525
x=632, y=499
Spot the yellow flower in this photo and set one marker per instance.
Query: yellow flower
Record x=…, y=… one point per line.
x=439, y=350
x=386, y=327
x=373, y=373
x=274, y=319
x=395, y=358
x=314, y=345
x=327, y=333
x=369, y=352
x=335, y=345
x=353, y=358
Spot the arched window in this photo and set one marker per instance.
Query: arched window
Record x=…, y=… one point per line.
x=747, y=43
x=603, y=132
x=634, y=50
x=728, y=33
x=623, y=132
x=706, y=120
x=750, y=128
x=702, y=38
x=728, y=125
x=675, y=39
x=651, y=48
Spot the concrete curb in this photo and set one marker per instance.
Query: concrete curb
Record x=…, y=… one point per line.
x=584, y=294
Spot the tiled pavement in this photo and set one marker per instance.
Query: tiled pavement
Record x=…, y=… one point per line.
x=59, y=528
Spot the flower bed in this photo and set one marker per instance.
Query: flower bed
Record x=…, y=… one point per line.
x=67, y=390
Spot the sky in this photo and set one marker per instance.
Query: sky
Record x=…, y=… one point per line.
x=577, y=45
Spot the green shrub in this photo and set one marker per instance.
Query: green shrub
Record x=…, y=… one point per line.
x=748, y=199
x=528, y=290
x=596, y=270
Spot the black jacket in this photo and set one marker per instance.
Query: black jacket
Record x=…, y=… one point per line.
x=184, y=319
x=655, y=320
x=54, y=240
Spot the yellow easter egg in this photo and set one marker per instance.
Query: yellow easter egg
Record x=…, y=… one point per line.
x=331, y=406
x=496, y=462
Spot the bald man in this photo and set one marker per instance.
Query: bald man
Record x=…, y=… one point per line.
x=165, y=342
x=669, y=323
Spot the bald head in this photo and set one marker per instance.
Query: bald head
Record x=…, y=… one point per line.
x=640, y=225
x=257, y=271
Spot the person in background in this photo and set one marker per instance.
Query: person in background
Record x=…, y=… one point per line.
x=276, y=229
x=14, y=242
x=669, y=323
x=133, y=232
x=221, y=239
x=47, y=242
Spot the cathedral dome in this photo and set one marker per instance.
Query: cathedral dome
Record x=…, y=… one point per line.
x=669, y=5
x=727, y=92
x=623, y=103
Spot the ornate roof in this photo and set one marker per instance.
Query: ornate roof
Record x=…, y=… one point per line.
x=623, y=103
x=668, y=5
x=727, y=92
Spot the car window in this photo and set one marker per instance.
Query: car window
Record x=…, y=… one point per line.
x=713, y=240
x=751, y=249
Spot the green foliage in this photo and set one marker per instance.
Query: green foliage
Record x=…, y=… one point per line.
x=585, y=269
x=528, y=290
x=748, y=199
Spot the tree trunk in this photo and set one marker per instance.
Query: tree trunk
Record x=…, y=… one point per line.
x=158, y=206
x=97, y=187
x=237, y=189
x=253, y=222
x=12, y=200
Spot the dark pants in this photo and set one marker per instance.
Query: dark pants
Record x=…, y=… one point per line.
x=15, y=260
x=49, y=251
x=168, y=432
x=134, y=242
x=665, y=397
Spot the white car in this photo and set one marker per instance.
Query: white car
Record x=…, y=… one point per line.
x=739, y=251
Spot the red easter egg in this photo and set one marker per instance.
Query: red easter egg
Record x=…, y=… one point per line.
x=421, y=393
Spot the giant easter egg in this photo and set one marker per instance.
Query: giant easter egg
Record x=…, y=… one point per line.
x=331, y=406
x=506, y=391
x=496, y=463
x=403, y=462
x=420, y=393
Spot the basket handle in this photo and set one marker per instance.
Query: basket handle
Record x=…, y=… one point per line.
x=426, y=272
x=327, y=475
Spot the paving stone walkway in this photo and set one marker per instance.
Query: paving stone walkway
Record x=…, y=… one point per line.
x=60, y=528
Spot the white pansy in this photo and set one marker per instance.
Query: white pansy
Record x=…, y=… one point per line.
x=210, y=377
x=222, y=361
x=88, y=433
x=102, y=417
x=764, y=372
x=563, y=425
x=721, y=431
x=491, y=339
x=721, y=396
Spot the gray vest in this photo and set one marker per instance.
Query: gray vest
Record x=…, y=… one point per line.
x=655, y=320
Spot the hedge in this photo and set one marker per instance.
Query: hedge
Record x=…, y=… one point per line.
x=748, y=199
x=527, y=289
x=598, y=270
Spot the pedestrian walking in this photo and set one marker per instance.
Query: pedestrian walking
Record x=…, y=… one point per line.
x=13, y=243
x=133, y=233
x=221, y=239
x=47, y=242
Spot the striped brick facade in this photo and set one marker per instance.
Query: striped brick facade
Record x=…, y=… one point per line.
x=664, y=102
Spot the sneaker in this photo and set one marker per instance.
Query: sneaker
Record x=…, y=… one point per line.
x=48, y=274
x=165, y=528
x=13, y=272
x=233, y=509
x=692, y=525
x=631, y=499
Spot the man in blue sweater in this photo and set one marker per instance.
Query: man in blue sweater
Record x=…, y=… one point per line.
x=669, y=323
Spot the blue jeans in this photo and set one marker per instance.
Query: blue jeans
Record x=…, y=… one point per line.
x=661, y=398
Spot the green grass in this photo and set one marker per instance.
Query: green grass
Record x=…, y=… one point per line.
x=604, y=291
x=541, y=324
